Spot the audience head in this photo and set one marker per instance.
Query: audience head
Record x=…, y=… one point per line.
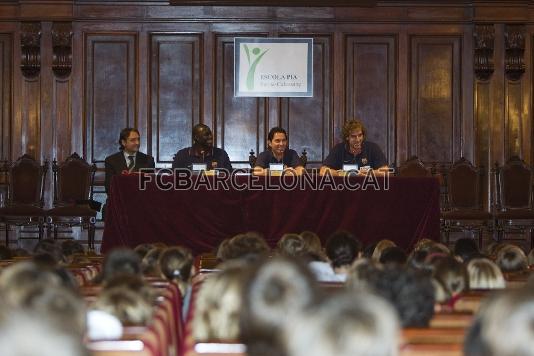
x=511, y=258
x=118, y=262
x=149, y=263
x=176, y=264
x=484, y=274
x=452, y=275
x=52, y=249
x=393, y=256
x=291, y=245
x=466, y=248
x=313, y=245
x=72, y=247
x=277, y=290
x=23, y=333
x=411, y=293
x=247, y=246
x=361, y=272
x=219, y=302
x=347, y=324
x=342, y=249
x=504, y=326
x=380, y=247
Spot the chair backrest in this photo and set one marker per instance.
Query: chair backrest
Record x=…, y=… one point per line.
x=514, y=184
x=73, y=180
x=304, y=158
x=26, y=181
x=464, y=185
x=252, y=158
x=413, y=167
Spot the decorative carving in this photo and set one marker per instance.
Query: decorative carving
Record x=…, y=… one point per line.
x=514, y=64
x=30, y=43
x=62, y=49
x=484, y=44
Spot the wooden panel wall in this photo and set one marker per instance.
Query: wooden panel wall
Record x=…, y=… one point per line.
x=405, y=71
x=6, y=50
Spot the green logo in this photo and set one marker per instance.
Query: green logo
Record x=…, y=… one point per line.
x=252, y=66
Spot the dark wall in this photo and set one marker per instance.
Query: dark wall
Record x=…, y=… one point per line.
x=408, y=72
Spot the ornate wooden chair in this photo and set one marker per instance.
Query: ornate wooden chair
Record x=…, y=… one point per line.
x=514, y=212
x=25, y=198
x=464, y=211
x=413, y=167
x=73, y=191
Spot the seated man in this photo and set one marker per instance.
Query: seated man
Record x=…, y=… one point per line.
x=128, y=158
x=354, y=150
x=202, y=151
x=278, y=152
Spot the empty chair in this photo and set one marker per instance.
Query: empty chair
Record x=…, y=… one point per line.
x=513, y=210
x=413, y=167
x=73, y=190
x=464, y=209
x=25, y=199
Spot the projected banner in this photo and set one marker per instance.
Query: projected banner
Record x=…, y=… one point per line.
x=279, y=67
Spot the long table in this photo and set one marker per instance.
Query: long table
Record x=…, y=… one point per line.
x=201, y=218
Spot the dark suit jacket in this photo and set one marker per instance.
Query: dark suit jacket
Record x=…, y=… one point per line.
x=116, y=163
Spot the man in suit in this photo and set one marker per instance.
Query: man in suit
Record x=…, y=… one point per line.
x=128, y=159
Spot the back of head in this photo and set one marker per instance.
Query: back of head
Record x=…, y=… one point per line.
x=175, y=264
x=278, y=289
x=149, y=263
x=218, y=304
x=410, y=291
x=127, y=305
x=342, y=248
x=142, y=249
x=118, y=262
x=452, y=275
x=506, y=324
x=393, y=256
x=380, y=247
x=511, y=258
x=248, y=245
x=484, y=274
x=313, y=245
x=50, y=247
x=348, y=324
x=466, y=248
x=24, y=334
x=291, y=245
x=361, y=273
x=72, y=247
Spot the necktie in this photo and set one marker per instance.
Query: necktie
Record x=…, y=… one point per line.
x=131, y=163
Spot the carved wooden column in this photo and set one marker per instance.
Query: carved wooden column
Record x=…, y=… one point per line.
x=516, y=119
x=484, y=67
x=62, y=49
x=30, y=43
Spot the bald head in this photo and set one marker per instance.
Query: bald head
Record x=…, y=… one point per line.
x=202, y=136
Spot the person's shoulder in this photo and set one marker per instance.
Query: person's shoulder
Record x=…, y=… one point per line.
x=292, y=152
x=217, y=151
x=338, y=147
x=265, y=153
x=183, y=151
x=114, y=156
x=144, y=155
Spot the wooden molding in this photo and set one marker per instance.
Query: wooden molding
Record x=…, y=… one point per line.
x=30, y=43
x=305, y=3
x=484, y=44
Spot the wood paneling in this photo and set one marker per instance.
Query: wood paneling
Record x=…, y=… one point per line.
x=435, y=120
x=110, y=92
x=6, y=50
x=370, y=87
x=240, y=123
x=308, y=120
x=175, y=88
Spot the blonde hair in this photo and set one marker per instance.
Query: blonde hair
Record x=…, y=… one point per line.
x=511, y=258
x=129, y=306
x=484, y=274
x=380, y=247
x=291, y=245
x=218, y=304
